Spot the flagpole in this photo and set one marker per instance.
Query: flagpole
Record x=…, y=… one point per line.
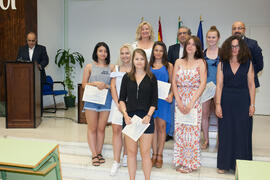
x=142, y=19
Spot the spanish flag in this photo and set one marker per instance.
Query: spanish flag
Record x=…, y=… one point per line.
x=159, y=30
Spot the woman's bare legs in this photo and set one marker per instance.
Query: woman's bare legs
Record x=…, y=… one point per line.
x=92, y=124
x=206, y=107
x=102, y=122
x=117, y=142
x=132, y=149
x=145, y=148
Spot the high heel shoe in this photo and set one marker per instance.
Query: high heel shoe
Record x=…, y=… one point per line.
x=159, y=162
x=154, y=159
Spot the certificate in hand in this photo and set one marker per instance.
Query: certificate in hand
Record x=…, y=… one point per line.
x=209, y=92
x=188, y=119
x=136, y=128
x=94, y=95
x=163, y=89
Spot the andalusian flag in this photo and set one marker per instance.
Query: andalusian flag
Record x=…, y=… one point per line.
x=200, y=33
x=159, y=30
x=179, y=25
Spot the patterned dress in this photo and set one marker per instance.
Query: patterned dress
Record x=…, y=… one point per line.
x=187, y=137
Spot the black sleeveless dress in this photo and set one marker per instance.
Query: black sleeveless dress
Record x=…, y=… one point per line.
x=235, y=128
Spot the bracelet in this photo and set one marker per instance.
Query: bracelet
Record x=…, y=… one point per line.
x=217, y=103
x=252, y=105
x=148, y=116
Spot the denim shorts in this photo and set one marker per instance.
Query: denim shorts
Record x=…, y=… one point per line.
x=99, y=107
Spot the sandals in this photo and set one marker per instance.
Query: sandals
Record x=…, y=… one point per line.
x=95, y=161
x=205, y=145
x=220, y=171
x=154, y=160
x=184, y=169
x=101, y=159
x=159, y=162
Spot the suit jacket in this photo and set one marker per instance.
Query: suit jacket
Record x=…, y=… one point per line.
x=257, y=58
x=39, y=55
x=173, y=53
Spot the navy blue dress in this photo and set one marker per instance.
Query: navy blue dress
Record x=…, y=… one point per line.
x=235, y=128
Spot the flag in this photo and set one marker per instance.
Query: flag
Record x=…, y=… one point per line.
x=200, y=33
x=179, y=25
x=159, y=30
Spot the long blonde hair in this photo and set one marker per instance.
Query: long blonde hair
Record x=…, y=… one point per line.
x=131, y=74
x=139, y=29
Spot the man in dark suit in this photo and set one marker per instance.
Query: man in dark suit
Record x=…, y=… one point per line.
x=239, y=29
x=35, y=52
x=175, y=52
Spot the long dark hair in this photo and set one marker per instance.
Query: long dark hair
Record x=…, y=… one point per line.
x=164, y=57
x=131, y=74
x=199, y=53
x=94, y=55
x=226, y=50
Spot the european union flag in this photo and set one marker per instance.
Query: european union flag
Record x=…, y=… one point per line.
x=200, y=34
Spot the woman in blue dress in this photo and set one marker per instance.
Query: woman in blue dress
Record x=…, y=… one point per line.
x=162, y=69
x=211, y=55
x=235, y=98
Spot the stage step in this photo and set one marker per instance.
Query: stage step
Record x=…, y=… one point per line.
x=78, y=167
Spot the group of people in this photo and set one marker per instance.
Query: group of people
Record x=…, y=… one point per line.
x=133, y=90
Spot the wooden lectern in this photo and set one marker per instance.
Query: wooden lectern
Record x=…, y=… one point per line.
x=81, y=115
x=23, y=95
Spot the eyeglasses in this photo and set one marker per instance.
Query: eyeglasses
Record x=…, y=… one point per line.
x=31, y=40
x=182, y=33
x=235, y=47
x=238, y=28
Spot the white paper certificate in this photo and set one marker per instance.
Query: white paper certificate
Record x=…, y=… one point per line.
x=136, y=128
x=188, y=119
x=209, y=92
x=163, y=89
x=94, y=95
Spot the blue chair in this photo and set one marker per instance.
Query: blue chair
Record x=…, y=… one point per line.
x=48, y=89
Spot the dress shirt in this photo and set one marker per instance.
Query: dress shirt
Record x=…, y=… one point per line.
x=31, y=52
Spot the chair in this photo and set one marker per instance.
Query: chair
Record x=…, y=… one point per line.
x=48, y=89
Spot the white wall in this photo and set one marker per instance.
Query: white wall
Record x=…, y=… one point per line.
x=51, y=35
x=115, y=22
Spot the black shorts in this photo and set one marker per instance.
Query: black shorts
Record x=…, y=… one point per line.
x=141, y=114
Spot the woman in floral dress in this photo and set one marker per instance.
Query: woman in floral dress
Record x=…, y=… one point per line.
x=189, y=81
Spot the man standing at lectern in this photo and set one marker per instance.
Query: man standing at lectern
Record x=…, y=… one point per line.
x=35, y=52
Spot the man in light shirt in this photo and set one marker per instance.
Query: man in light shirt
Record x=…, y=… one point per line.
x=34, y=52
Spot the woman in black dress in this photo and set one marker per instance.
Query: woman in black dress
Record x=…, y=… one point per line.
x=139, y=96
x=235, y=98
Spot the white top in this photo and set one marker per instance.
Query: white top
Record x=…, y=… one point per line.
x=31, y=52
x=116, y=116
x=147, y=51
x=181, y=50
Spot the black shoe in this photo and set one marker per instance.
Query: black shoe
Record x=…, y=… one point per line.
x=168, y=138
